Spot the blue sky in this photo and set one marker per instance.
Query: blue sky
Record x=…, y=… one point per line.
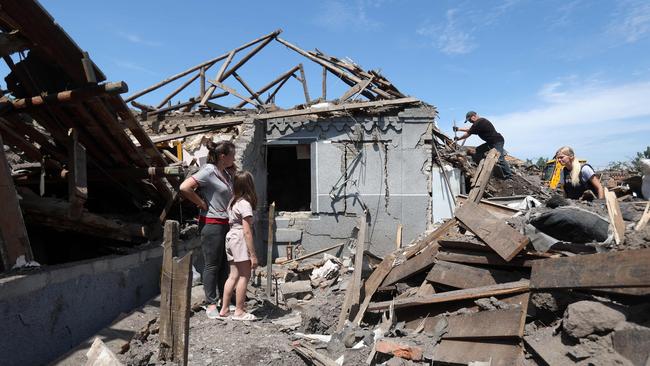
x=547, y=73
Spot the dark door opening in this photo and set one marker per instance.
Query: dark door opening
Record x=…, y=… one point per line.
x=289, y=177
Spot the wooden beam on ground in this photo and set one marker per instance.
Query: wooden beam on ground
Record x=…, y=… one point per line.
x=350, y=306
x=496, y=353
x=175, y=288
x=269, y=252
x=372, y=284
x=77, y=176
x=499, y=323
x=482, y=176
x=604, y=270
x=412, y=266
x=500, y=211
x=14, y=241
x=456, y=295
x=464, y=276
x=644, y=218
x=492, y=259
x=314, y=357
x=615, y=216
x=498, y=235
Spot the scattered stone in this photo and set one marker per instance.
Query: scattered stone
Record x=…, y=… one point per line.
x=586, y=317
x=297, y=289
x=633, y=344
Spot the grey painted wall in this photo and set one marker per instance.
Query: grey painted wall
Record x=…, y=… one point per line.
x=379, y=162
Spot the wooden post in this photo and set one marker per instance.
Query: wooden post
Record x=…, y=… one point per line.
x=269, y=251
x=324, y=91
x=303, y=80
x=14, y=241
x=175, y=287
x=77, y=177
x=353, y=292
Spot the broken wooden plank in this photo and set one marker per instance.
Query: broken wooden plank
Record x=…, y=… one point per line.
x=175, y=289
x=14, y=241
x=398, y=349
x=456, y=295
x=233, y=92
x=500, y=211
x=424, y=242
x=469, y=257
x=497, y=353
x=615, y=269
x=464, y=276
x=356, y=89
x=503, y=239
x=68, y=96
x=309, y=352
x=398, y=237
x=482, y=176
x=303, y=81
x=372, y=284
x=350, y=305
x=412, y=266
x=499, y=323
x=644, y=218
x=269, y=251
x=615, y=216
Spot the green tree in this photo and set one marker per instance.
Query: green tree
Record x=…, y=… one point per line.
x=541, y=162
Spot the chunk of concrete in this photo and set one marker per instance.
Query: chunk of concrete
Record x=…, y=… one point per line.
x=288, y=235
x=583, y=318
x=297, y=289
x=633, y=344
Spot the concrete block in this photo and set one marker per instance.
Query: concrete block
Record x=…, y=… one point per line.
x=282, y=222
x=125, y=262
x=288, y=235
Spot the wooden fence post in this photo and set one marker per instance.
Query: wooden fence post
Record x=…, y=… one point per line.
x=175, y=287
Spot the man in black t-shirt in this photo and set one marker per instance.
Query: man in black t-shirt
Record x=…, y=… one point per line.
x=485, y=130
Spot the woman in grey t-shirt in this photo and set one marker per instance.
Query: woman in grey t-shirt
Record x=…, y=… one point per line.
x=578, y=178
x=210, y=189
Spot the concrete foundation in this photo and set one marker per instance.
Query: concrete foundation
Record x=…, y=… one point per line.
x=46, y=313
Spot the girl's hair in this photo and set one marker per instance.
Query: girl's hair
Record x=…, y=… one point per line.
x=575, y=164
x=244, y=187
x=216, y=149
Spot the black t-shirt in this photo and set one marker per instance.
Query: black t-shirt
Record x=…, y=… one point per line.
x=485, y=130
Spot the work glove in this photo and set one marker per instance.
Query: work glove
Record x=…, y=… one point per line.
x=455, y=129
x=456, y=138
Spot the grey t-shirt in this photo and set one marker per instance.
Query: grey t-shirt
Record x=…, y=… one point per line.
x=215, y=189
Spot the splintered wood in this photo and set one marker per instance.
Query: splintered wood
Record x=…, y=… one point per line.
x=175, y=288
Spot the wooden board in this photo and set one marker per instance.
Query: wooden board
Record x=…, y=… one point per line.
x=372, y=284
x=505, y=240
x=482, y=176
x=486, y=324
x=500, y=211
x=456, y=295
x=505, y=353
x=644, y=218
x=615, y=216
x=615, y=269
x=468, y=257
x=412, y=266
x=464, y=276
x=350, y=305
